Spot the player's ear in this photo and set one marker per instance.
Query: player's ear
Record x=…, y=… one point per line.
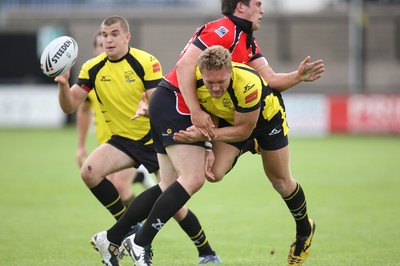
x=128, y=36
x=239, y=6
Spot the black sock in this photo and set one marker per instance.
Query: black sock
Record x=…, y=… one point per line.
x=138, y=178
x=136, y=212
x=191, y=225
x=170, y=201
x=108, y=195
x=297, y=205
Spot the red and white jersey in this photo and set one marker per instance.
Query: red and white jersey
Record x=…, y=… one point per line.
x=233, y=33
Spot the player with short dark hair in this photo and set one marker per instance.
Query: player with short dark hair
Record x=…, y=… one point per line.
x=90, y=110
x=122, y=77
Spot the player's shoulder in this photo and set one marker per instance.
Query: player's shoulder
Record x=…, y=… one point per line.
x=244, y=74
x=243, y=68
x=221, y=26
x=94, y=61
x=224, y=21
x=141, y=54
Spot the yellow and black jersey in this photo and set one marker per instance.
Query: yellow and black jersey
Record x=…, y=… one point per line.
x=247, y=91
x=118, y=86
x=100, y=126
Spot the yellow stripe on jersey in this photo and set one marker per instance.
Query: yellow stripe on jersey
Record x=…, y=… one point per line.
x=101, y=128
x=271, y=107
x=118, y=86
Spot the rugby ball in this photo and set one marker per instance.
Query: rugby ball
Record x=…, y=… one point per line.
x=59, y=56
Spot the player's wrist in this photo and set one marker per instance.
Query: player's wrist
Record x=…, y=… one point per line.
x=208, y=145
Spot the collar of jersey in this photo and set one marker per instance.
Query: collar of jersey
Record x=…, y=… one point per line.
x=122, y=58
x=245, y=24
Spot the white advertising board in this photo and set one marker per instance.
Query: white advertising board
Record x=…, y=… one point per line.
x=307, y=114
x=30, y=106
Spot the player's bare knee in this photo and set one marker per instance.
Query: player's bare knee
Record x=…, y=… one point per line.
x=197, y=182
x=181, y=214
x=218, y=176
x=87, y=173
x=281, y=185
x=215, y=179
x=200, y=182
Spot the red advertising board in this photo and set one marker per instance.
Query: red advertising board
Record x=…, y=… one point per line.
x=365, y=113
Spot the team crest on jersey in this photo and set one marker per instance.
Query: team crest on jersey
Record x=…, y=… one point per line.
x=221, y=31
x=228, y=104
x=129, y=76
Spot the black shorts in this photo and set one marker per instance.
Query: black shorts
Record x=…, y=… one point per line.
x=270, y=135
x=167, y=117
x=140, y=153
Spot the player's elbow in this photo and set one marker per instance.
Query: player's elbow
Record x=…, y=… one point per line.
x=68, y=109
x=179, y=66
x=184, y=65
x=245, y=133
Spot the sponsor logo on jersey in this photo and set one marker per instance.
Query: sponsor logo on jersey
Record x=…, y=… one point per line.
x=105, y=78
x=248, y=87
x=252, y=96
x=156, y=67
x=221, y=31
x=202, y=101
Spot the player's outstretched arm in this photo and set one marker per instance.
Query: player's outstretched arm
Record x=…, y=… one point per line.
x=310, y=71
x=69, y=97
x=307, y=71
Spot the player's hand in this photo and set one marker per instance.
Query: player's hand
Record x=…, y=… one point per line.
x=190, y=135
x=310, y=71
x=81, y=154
x=63, y=79
x=204, y=123
x=143, y=107
x=209, y=164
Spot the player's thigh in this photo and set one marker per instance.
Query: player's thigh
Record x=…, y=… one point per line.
x=123, y=177
x=225, y=155
x=276, y=163
x=167, y=173
x=104, y=160
x=189, y=163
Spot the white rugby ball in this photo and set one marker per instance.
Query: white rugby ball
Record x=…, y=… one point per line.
x=59, y=56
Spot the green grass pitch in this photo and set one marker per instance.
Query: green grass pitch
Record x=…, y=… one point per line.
x=352, y=183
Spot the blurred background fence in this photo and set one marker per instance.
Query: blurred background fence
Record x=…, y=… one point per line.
x=358, y=40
